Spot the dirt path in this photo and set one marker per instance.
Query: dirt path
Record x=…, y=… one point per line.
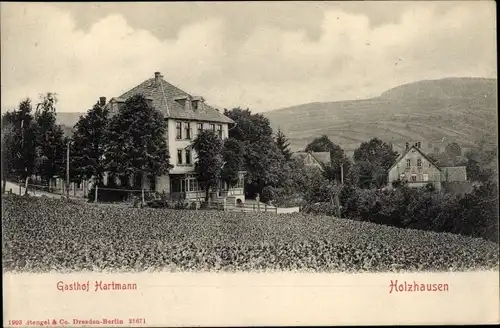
x=37, y=193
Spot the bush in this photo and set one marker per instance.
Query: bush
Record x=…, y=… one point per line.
x=104, y=194
x=268, y=194
x=474, y=214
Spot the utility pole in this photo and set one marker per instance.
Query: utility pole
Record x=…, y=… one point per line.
x=22, y=151
x=341, y=173
x=67, y=170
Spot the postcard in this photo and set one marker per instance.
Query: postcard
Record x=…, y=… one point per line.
x=249, y=163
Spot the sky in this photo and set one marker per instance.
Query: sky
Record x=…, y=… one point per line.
x=257, y=55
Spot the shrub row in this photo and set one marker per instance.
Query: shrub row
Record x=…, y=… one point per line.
x=472, y=214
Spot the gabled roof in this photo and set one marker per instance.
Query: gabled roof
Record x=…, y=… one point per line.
x=163, y=95
x=299, y=155
x=323, y=158
x=407, y=151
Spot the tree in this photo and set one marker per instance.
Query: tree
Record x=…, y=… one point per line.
x=321, y=144
x=136, y=143
x=283, y=145
x=481, y=163
x=294, y=183
x=208, y=147
x=249, y=127
x=476, y=170
x=264, y=163
x=18, y=148
x=50, y=147
x=263, y=160
x=453, y=150
x=232, y=156
x=374, y=158
x=89, y=145
x=8, y=148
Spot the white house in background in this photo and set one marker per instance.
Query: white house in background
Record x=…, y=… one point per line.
x=414, y=167
x=186, y=117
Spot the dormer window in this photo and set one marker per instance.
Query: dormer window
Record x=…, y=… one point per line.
x=116, y=104
x=197, y=102
x=149, y=101
x=182, y=100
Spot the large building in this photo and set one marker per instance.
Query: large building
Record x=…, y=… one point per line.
x=186, y=117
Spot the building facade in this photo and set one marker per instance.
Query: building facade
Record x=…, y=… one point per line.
x=186, y=116
x=414, y=167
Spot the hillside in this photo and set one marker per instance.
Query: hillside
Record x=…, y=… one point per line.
x=68, y=120
x=456, y=109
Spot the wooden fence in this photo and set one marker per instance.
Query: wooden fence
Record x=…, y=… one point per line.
x=250, y=208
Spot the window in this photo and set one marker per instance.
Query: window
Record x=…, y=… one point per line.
x=199, y=127
x=219, y=130
x=193, y=184
x=179, y=156
x=240, y=183
x=418, y=145
x=178, y=127
x=195, y=104
x=188, y=156
x=413, y=178
x=425, y=177
x=212, y=127
x=187, y=129
x=401, y=176
x=419, y=162
x=408, y=163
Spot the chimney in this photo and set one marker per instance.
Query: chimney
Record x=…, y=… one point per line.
x=102, y=101
x=158, y=77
